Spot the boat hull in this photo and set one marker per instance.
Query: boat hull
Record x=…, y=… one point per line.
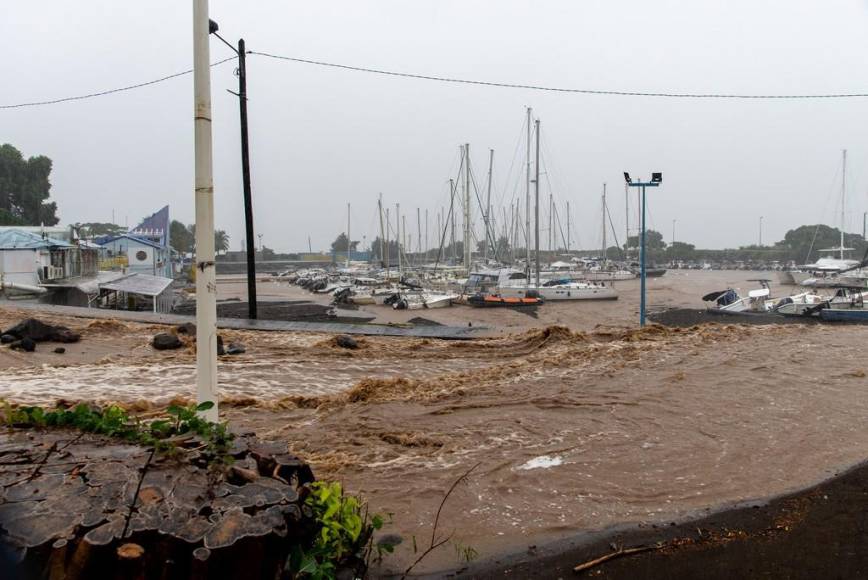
x=548, y=293
x=844, y=315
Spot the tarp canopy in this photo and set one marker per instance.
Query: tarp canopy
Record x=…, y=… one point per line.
x=23, y=240
x=142, y=284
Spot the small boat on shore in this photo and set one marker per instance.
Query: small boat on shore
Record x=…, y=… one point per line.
x=496, y=301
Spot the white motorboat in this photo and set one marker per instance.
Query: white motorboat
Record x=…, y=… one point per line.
x=418, y=301
x=800, y=304
x=730, y=301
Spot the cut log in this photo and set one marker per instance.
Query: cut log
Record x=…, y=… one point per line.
x=79, y=506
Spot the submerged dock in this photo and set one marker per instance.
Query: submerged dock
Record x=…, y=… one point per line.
x=360, y=329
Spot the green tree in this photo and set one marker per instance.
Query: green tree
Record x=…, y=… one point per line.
x=221, y=241
x=680, y=251
x=391, y=250
x=25, y=189
x=97, y=229
x=802, y=244
x=7, y=218
x=181, y=237
x=340, y=244
x=221, y=238
x=653, y=241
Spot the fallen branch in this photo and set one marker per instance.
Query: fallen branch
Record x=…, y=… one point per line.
x=435, y=543
x=611, y=556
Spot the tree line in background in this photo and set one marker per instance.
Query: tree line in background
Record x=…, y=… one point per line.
x=183, y=238
x=25, y=189
x=800, y=245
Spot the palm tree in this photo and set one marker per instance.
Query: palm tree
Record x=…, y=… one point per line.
x=221, y=241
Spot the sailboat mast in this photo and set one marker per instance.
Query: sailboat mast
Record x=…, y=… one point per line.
x=467, y=232
x=398, y=239
x=427, y=239
x=451, y=218
x=604, y=225
x=843, y=192
x=348, y=236
x=568, y=228
x=488, y=205
x=536, y=188
x=627, y=217
x=388, y=253
x=551, y=222
x=418, y=231
x=527, y=201
x=382, y=233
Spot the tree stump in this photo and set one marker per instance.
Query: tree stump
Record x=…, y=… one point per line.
x=76, y=505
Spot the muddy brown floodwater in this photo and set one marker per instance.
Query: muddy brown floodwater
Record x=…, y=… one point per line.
x=576, y=420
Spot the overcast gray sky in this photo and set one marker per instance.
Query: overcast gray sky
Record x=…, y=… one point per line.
x=323, y=137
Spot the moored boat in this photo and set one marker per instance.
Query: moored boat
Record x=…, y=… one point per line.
x=497, y=301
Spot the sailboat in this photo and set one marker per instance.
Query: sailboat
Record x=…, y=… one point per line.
x=557, y=288
x=824, y=272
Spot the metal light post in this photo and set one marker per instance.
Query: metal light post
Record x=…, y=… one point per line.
x=656, y=180
x=245, y=169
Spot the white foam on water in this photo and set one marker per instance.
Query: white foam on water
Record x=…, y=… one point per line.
x=542, y=462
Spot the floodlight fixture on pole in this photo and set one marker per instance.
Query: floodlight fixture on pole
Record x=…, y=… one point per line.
x=656, y=180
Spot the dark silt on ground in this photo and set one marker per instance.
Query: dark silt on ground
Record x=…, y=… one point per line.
x=821, y=532
x=686, y=317
x=287, y=310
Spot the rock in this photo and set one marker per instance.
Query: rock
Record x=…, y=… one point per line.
x=187, y=328
x=7, y=339
x=38, y=331
x=235, y=348
x=59, y=350
x=345, y=341
x=220, y=350
x=26, y=344
x=166, y=341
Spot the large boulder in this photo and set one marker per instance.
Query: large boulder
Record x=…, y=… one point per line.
x=346, y=341
x=187, y=328
x=235, y=348
x=38, y=331
x=166, y=341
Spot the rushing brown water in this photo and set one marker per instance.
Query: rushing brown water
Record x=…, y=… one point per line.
x=572, y=430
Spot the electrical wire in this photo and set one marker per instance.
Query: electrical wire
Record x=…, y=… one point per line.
x=557, y=89
x=110, y=91
x=604, y=92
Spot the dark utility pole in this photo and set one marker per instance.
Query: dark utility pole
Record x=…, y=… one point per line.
x=245, y=169
x=245, y=176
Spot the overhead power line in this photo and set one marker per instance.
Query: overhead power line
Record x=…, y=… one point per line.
x=558, y=89
x=671, y=95
x=110, y=91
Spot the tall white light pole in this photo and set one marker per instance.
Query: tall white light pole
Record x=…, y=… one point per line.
x=206, y=278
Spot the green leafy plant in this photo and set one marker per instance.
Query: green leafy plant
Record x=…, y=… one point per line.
x=344, y=535
x=162, y=434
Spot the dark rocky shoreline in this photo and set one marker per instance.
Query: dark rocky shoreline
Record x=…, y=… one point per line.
x=819, y=532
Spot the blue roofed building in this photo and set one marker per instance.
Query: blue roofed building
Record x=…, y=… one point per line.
x=144, y=249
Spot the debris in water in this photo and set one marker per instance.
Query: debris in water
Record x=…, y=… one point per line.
x=542, y=462
x=38, y=331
